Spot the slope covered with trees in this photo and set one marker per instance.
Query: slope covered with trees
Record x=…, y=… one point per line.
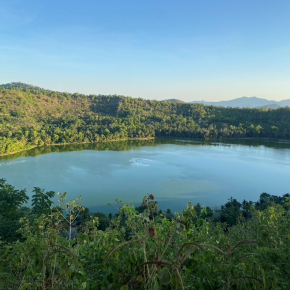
x=30, y=116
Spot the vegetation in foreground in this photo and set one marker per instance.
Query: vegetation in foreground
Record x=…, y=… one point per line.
x=32, y=117
x=241, y=246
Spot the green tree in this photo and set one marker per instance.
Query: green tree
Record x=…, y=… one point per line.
x=230, y=212
x=103, y=220
x=41, y=202
x=11, y=201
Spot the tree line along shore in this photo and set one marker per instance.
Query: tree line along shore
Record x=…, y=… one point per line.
x=32, y=117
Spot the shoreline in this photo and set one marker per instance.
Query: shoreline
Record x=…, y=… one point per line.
x=147, y=139
x=78, y=143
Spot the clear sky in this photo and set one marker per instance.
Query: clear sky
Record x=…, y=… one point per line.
x=154, y=49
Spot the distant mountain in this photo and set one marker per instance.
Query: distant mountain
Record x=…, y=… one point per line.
x=270, y=106
x=284, y=103
x=19, y=85
x=174, y=101
x=246, y=102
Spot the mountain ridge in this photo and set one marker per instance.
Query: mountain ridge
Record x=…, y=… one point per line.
x=242, y=102
x=246, y=102
x=31, y=117
x=20, y=85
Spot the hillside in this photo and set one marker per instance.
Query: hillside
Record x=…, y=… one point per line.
x=36, y=117
x=19, y=85
x=174, y=101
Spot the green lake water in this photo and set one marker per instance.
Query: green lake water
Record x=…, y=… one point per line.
x=174, y=171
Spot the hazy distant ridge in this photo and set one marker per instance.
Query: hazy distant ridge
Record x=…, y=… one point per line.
x=245, y=102
x=175, y=101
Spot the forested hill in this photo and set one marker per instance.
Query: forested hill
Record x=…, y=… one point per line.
x=31, y=116
x=19, y=85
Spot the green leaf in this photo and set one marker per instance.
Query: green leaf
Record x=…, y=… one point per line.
x=156, y=285
x=165, y=276
x=124, y=287
x=133, y=258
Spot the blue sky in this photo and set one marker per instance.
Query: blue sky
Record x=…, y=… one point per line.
x=186, y=49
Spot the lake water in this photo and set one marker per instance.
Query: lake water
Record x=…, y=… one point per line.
x=174, y=171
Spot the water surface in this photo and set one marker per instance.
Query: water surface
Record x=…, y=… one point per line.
x=174, y=171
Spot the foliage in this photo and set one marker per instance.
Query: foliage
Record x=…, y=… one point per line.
x=144, y=249
x=230, y=212
x=11, y=201
x=41, y=202
x=32, y=117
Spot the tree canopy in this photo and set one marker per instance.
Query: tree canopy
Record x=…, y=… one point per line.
x=240, y=246
x=30, y=116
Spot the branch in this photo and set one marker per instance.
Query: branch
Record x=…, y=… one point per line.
x=112, y=251
x=185, y=245
x=156, y=263
x=244, y=242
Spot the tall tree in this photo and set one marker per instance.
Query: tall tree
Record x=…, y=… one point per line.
x=11, y=201
x=41, y=202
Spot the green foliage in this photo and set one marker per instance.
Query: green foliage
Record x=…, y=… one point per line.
x=31, y=117
x=267, y=200
x=11, y=201
x=230, y=212
x=102, y=219
x=41, y=202
x=141, y=248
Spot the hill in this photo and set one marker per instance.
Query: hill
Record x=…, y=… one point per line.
x=19, y=85
x=31, y=117
x=174, y=101
x=270, y=106
x=245, y=102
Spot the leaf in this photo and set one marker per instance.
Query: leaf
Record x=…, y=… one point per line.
x=165, y=276
x=133, y=258
x=124, y=287
x=24, y=286
x=156, y=285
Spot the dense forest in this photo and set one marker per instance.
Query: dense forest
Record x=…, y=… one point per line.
x=47, y=246
x=31, y=117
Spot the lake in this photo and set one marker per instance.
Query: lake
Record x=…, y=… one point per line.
x=174, y=171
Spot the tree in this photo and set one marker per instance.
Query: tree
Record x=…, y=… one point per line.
x=103, y=220
x=41, y=202
x=230, y=212
x=11, y=201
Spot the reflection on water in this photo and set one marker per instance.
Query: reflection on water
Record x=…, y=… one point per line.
x=112, y=146
x=140, y=161
x=127, y=145
x=175, y=171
